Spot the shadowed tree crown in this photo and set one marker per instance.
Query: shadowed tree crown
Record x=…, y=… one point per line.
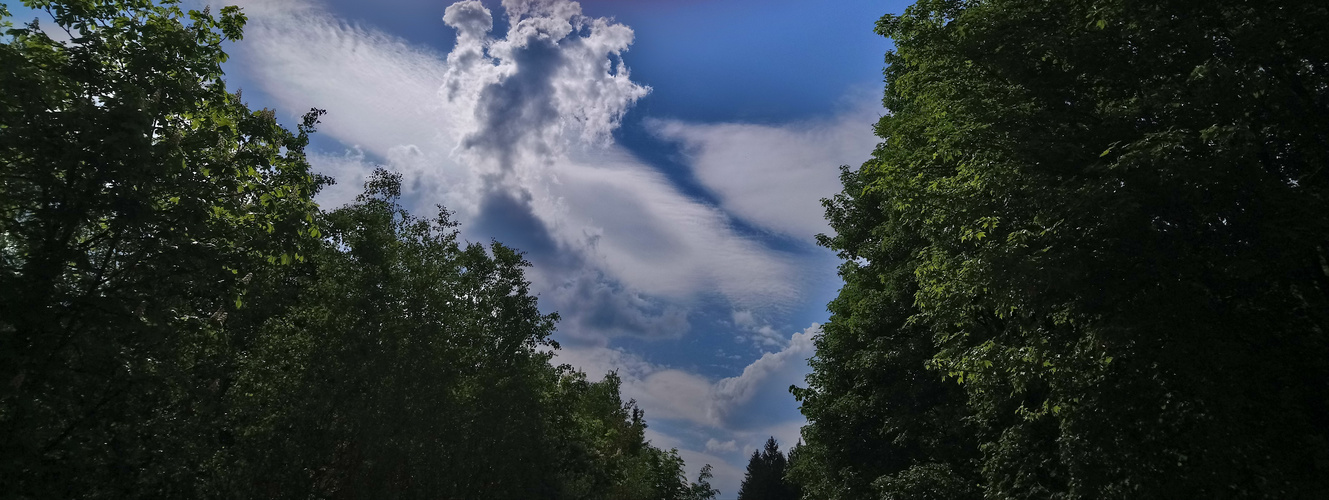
x=1088, y=259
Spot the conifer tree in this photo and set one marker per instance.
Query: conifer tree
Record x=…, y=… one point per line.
x=765, y=477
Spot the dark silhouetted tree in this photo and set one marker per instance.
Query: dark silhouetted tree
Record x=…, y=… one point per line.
x=701, y=489
x=137, y=199
x=765, y=477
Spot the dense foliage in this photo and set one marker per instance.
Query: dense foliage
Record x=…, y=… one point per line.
x=179, y=319
x=1089, y=259
x=136, y=195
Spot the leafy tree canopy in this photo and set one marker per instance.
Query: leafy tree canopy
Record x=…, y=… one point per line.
x=1088, y=259
x=136, y=196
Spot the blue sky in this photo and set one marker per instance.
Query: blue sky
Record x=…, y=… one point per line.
x=660, y=161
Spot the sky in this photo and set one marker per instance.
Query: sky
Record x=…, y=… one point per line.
x=661, y=163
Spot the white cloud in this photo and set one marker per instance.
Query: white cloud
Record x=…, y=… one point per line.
x=744, y=318
x=771, y=374
x=549, y=82
x=727, y=474
x=719, y=414
x=513, y=133
x=715, y=446
x=678, y=395
x=380, y=91
x=760, y=334
x=593, y=310
x=634, y=224
x=776, y=175
x=347, y=169
x=767, y=336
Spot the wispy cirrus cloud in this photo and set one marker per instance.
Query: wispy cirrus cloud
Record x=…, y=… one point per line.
x=776, y=175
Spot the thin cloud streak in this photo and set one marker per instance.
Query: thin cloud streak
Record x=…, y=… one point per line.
x=775, y=176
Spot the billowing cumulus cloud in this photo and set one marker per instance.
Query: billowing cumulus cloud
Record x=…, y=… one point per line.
x=771, y=375
x=544, y=100
x=551, y=80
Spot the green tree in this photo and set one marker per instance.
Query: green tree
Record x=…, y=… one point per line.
x=409, y=366
x=178, y=319
x=1103, y=222
x=136, y=197
x=791, y=477
x=602, y=450
x=874, y=409
x=701, y=489
x=599, y=440
x=401, y=363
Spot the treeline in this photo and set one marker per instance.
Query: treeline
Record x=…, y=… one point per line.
x=178, y=319
x=1089, y=260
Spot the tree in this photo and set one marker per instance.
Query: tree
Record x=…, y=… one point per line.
x=765, y=477
x=405, y=355
x=409, y=365
x=136, y=197
x=1102, y=222
x=179, y=319
x=602, y=451
x=702, y=490
x=790, y=477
